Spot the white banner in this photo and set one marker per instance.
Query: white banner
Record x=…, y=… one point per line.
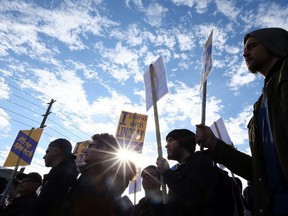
x=160, y=81
x=220, y=131
x=207, y=59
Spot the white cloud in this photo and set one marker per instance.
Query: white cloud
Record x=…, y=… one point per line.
x=186, y=41
x=22, y=39
x=228, y=9
x=66, y=25
x=165, y=38
x=188, y=3
x=4, y=122
x=272, y=15
x=4, y=117
x=137, y=3
x=240, y=76
x=59, y=86
x=155, y=14
x=4, y=90
x=184, y=103
x=237, y=127
x=133, y=36
x=121, y=62
x=83, y=68
x=200, y=5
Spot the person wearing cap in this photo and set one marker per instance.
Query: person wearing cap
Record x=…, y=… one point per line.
x=57, y=182
x=266, y=53
x=191, y=184
x=26, y=195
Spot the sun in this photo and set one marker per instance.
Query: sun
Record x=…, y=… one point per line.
x=127, y=154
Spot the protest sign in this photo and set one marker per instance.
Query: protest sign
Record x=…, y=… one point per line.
x=79, y=150
x=160, y=81
x=131, y=131
x=23, y=148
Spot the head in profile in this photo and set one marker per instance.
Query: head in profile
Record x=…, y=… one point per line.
x=29, y=183
x=150, y=178
x=57, y=151
x=180, y=144
x=264, y=47
x=102, y=150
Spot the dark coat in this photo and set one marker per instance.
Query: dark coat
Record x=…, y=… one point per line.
x=277, y=93
x=253, y=168
x=149, y=208
x=20, y=206
x=55, y=188
x=191, y=186
x=92, y=195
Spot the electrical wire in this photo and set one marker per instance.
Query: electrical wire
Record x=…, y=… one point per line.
x=19, y=114
x=74, y=114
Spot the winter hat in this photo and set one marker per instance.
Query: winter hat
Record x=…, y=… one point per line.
x=274, y=39
x=184, y=137
x=64, y=145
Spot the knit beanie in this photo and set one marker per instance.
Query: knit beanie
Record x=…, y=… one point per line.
x=184, y=137
x=274, y=39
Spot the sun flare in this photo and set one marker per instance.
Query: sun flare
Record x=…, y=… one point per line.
x=125, y=154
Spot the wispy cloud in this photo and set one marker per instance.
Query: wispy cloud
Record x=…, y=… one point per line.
x=155, y=14
x=200, y=6
x=228, y=8
x=240, y=77
x=237, y=127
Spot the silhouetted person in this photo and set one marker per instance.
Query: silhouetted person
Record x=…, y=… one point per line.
x=191, y=185
x=152, y=203
x=101, y=182
x=26, y=195
x=58, y=181
x=265, y=52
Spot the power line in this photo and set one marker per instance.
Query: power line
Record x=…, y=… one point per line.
x=19, y=105
x=19, y=81
x=40, y=114
x=20, y=122
x=58, y=116
x=66, y=129
x=22, y=97
x=60, y=133
x=19, y=114
x=16, y=121
x=80, y=117
x=72, y=125
x=75, y=114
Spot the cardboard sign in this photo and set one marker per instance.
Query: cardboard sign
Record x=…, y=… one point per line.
x=131, y=131
x=23, y=148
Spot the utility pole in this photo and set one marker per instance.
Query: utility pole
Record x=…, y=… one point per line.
x=47, y=113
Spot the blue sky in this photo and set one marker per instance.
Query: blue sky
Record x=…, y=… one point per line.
x=90, y=56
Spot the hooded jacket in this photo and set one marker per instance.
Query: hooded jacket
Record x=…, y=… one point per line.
x=253, y=168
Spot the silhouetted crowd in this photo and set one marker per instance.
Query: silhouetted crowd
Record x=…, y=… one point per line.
x=196, y=185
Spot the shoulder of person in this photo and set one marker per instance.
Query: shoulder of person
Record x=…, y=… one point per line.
x=199, y=159
x=205, y=155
